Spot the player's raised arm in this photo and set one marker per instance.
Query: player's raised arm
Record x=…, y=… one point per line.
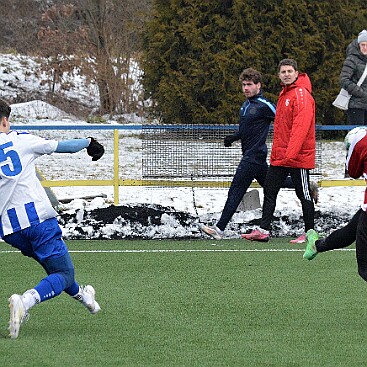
x=94, y=149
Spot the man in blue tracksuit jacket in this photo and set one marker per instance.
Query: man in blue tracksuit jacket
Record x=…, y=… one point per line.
x=256, y=114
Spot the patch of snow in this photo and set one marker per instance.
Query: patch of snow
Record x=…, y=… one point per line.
x=145, y=212
x=37, y=110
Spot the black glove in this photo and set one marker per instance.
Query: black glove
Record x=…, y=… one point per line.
x=228, y=140
x=95, y=149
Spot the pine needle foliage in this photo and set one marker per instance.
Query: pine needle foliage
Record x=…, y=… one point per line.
x=194, y=51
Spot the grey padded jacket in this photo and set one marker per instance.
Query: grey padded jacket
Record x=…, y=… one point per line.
x=352, y=70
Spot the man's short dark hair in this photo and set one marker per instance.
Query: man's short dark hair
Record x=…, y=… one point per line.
x=288, y=62
x=250, y=74
x=5, y=109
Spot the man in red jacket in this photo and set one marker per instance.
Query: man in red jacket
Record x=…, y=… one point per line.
x=294, y=148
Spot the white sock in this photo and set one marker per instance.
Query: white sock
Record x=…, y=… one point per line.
x=30, y=298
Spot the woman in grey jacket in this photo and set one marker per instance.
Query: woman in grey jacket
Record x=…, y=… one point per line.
x=352, y=70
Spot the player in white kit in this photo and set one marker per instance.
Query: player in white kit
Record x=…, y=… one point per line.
x=28, y=221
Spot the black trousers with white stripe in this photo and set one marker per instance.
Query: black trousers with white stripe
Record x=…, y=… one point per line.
x=274, y=181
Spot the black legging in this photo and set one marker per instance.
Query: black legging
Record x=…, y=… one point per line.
x=340, y=238
x=361, y=245
x=355, y=230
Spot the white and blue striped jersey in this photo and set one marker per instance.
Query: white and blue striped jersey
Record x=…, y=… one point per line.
x=23, y=201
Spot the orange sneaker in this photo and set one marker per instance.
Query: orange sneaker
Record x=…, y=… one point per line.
x=257, y=235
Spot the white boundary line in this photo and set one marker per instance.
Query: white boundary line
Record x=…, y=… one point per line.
x=183, y=250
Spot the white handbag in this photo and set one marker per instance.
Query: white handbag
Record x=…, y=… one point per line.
x=342, y=99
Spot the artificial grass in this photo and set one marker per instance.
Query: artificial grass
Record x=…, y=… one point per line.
x=217, y=306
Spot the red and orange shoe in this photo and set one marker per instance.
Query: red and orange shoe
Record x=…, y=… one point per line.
x=260, y=235
x=300, y=239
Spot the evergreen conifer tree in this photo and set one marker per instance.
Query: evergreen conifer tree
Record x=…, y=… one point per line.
x=195, y=50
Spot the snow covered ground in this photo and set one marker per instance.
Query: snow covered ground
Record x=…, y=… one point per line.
x=145, y=212
x=151, y=212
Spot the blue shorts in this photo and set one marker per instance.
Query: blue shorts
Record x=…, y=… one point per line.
x=40, y=241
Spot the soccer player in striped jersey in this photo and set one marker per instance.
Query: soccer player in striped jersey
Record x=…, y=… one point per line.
x=28, y=221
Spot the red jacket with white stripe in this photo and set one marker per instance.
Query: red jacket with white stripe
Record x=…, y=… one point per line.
x=294, y=142
x=357, y=160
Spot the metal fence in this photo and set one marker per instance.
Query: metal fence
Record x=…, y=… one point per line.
x=197, y=152
x=153, y=155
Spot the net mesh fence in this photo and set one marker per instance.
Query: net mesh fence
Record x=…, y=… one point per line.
x=192, y=152
x=170, y=153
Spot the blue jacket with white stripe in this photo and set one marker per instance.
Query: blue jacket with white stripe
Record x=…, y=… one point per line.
x=256, y=114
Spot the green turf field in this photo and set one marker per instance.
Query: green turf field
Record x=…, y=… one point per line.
x=204, y=303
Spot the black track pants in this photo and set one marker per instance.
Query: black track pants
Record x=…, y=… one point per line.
x=274, y=181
